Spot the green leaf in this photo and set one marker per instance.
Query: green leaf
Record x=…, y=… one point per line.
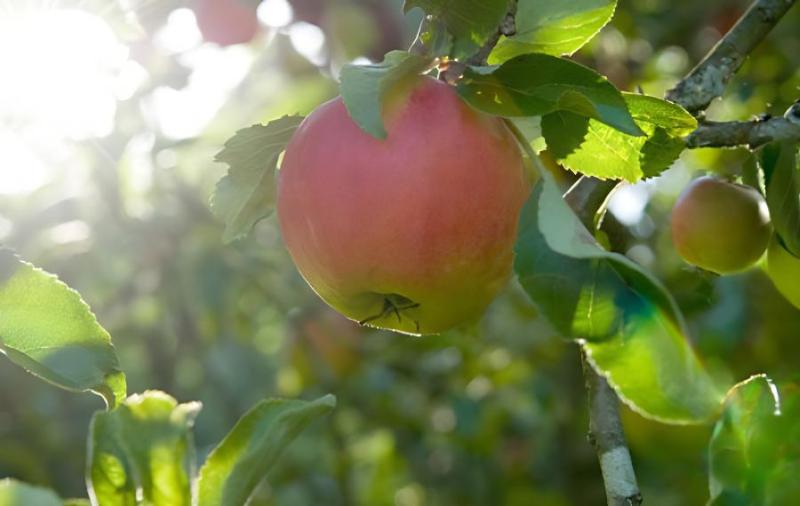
x=531, y=129
x=15, y=493
x=470, y=22
x=754, y=453
x=628, y=325
x=434, y=37
x=589, y=147
x=364, y=87
x=253, y=446
x=538, y=84
x=247, y=193
x=143, y=445
x=780, y=165
x=46, y=328
x=555, y=27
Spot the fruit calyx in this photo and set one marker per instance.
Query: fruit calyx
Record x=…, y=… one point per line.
x=393, y=303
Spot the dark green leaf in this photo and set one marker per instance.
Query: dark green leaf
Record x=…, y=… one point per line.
x=590, y=147
x=247, y=453
x=782, y=180
x=15, y=493
x=538, y=84
x=754, y=453
x=625, y=320
x=247, y=193
x=554, y=27
x=435, y=39
x=47, y=329
x=145, y=444
x=364, y=87
x=470, y=22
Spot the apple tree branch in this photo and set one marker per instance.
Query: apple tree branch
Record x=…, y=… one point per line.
x=708, y=79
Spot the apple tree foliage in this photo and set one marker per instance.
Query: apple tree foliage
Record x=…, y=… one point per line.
x=629, y=326
x=140, y=449
x=632, y=331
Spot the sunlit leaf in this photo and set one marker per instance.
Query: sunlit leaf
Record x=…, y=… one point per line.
x=589, y=147
x=627, y=323
x=143, y=445
x=364, y=87
x=555, y=27
x=252, y=447
x=470, y=22
x=754, y=453
x=538, y=84
x=47, y=329
x=779, y=162
x=247, y=193
x=15, y=493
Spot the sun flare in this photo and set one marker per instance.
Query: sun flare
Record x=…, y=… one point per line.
x=60, y=70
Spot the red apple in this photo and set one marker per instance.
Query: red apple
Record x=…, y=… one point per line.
x=720, y=226
x=413, y=233
x=226, y=22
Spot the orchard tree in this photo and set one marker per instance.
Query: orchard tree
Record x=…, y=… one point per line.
x=483, y=152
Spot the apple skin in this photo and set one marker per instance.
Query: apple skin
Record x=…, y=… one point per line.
x=783, y=269
x=720, y=226
x=413, y=233
x=226, y=22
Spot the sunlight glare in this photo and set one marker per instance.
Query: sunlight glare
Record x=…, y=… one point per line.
x=181, y=33
x=628, y=204
x=275, y=13
x=216, y=72
x=21, y=171
x=309, y=41
x=59, y=68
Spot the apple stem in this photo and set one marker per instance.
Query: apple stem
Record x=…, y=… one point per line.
x=525, y=144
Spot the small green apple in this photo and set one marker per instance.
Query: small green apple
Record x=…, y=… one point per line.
x=720, y=226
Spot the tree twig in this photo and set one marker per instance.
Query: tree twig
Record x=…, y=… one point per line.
x=753, y=133
x=507, y=27
x=708, y=79
x=608, y=438
x=588, y=197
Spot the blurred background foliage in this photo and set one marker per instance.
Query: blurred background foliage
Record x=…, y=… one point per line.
x=105, y=179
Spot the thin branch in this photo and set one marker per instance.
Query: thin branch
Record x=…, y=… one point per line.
x=708, y=79
x=755, y=133
x=588, y=197
x=507, y=27
x=608, y=438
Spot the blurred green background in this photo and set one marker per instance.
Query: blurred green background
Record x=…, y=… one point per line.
x=107, y=135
